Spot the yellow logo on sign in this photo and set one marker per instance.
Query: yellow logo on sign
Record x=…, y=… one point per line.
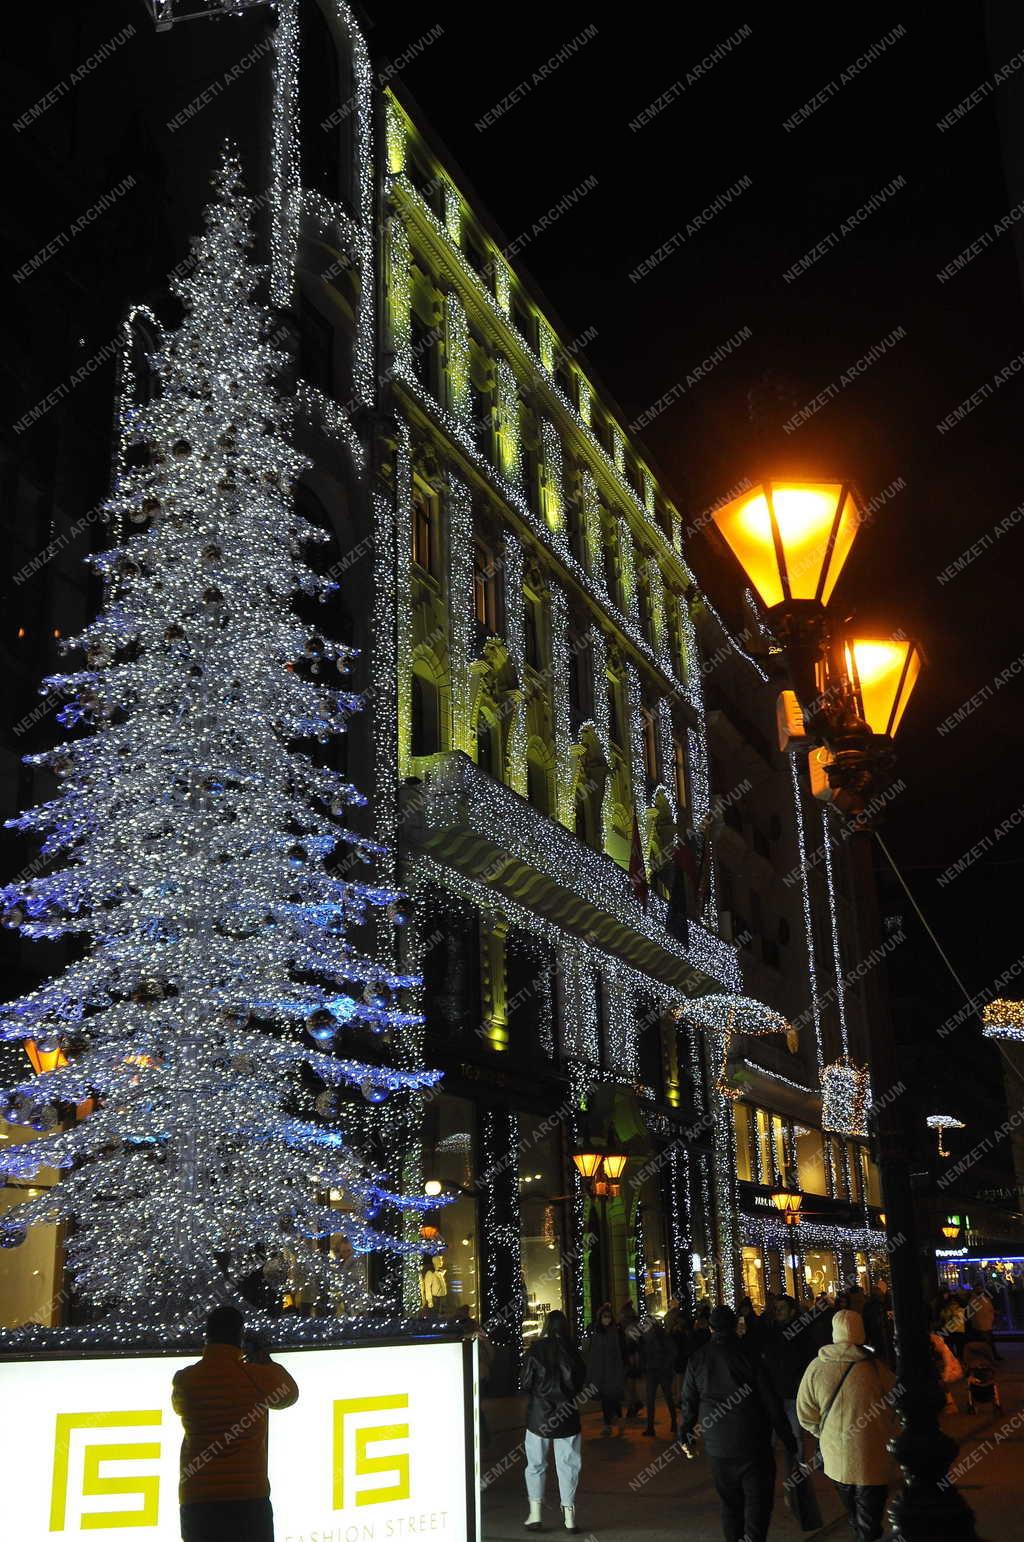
x=365, y=1435
x=94, y=1483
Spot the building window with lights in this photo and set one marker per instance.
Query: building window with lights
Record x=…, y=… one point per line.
x=533, y=618
x=31, y=1276
x=752, y=1269
x=679, y=771
x=487, y=596
x=426, y=530
x=810, y=1161
x=649, y=732
x=450, y=1233
x=654, y=1283
x=744, y=1132
x=489, y=757
x=542, y=1185
x=821, y=1272
x=425, y=737
x=316, y=347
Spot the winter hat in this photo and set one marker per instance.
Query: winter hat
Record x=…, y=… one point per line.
x=847, y=1328
x=723, y=1320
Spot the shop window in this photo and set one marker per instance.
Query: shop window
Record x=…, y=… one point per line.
x=821, y=1272
x=449, y=1138
x=541, y=1221
x=426, y=714
x=765, y=1149
x=744, y=1141
x=654, y=1281
x=874, y=1181
x=752, y=1265
x=486, y=587
x=810, y=1161
x=426, y=529
x=862, y=1270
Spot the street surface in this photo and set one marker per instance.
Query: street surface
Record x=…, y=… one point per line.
x=676, y=1501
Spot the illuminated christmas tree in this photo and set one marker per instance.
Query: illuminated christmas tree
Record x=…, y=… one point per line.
x=205, y=861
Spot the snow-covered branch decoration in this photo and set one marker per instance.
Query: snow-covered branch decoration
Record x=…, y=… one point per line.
x=845, y=1097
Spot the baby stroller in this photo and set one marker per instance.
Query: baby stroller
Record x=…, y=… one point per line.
x=980, y=1369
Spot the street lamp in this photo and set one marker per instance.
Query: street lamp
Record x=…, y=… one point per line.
x=940, y=1123
x=601, y=1171
x=792, y=540
x=788, y=1202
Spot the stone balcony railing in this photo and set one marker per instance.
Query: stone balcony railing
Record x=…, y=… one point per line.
x=467, y=820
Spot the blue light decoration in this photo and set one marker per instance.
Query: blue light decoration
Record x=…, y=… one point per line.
x=217, y=983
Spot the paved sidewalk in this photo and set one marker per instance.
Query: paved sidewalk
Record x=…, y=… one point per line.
x=676, y=1501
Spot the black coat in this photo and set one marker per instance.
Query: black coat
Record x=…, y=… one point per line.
x=786, y=1352
x=734, y=1401
x=553, y=1376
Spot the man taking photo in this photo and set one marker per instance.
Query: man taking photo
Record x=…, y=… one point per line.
x=223, y=1401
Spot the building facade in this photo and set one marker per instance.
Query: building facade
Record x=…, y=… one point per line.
x=553, y=709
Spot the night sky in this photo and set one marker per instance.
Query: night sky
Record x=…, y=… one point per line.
x=873, y=139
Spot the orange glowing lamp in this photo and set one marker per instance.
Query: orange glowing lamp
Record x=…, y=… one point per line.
x=791, y=539
x=882, y=674
x=587, y=1163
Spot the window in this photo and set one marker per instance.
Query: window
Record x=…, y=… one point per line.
x=488, y=745
x=538, y=782
x=810, y=1160
x=448, y=1136
x=779, y=1141
x=429, y=186
x=744, y=1141
x=577, y=533
x=765, y=1154
x=664, y=521
x=856, y=1175
x=316, y=347
x=565, y=382
x=423, y=347
x=324, y=100
x=654, y=1284
x=534, y=631
x=426, y=530
x=486, y=587
x=426, y=714
x=581, y=679
x=475, y=255
x=613, y=565
x=615, y=726
x=649, y=731
x=679, y=770
x=821, y=1273
x=753, y=1275
x=874, y=1180
x=523, y=322
x=840, y=1187
x=650, y=1059
x=541, y=1222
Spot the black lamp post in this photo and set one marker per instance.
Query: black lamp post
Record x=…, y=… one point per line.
x=792, y=539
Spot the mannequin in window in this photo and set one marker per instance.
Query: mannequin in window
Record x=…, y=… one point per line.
x=433, y=1284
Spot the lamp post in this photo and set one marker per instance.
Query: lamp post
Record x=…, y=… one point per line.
x=792, y=539
x=788, y=1202
x=601, y=1172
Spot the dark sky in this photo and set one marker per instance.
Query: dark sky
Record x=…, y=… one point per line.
x=806, y=181
x=725, y=123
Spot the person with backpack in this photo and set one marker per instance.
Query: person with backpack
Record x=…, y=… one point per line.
x=554, y=1379
x=727, y=1395
x=845, y=1400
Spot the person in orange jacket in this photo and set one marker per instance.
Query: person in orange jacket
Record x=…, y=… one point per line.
x=223, y=1400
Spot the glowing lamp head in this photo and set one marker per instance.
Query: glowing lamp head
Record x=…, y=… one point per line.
x=614, y=1165
x=433, y=1187
x=882, y=674
x=791, y=539
x=788, y=1205
x=587, y=1163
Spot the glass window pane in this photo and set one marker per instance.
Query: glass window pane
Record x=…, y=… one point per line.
x=753, y=1276
x=821, y=1272
x=810, y=1160
x=741, y=1123
x=655, y=1285
x=766, y=1165
x=542, y=1221
x=449, y=1130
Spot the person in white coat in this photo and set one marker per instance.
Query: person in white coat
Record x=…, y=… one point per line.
x=845, y=1400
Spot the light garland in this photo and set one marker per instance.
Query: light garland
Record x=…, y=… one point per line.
x=196, y=845
x=805, y=900
x=1002, y=1019
x=845, y=1095
x=837, y=960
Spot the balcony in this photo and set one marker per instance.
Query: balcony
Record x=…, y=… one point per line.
x=465, y=819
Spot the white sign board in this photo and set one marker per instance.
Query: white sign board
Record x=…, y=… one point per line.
x=92, y=1445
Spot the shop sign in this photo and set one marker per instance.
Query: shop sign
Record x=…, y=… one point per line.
x=373, y=1451
x=951, y=1252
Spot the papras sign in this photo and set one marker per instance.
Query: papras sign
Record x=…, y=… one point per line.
x=375, y=1450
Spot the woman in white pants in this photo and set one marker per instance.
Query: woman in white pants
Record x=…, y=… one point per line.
x=554, y=1376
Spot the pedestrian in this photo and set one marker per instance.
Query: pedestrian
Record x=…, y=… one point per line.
x=629, y=1322
x=947, y=1369
x=606, y=1369
x=981, y=1315
x=659, y=1362
x=701, y=1333
x=953, y=1323
x=223, y=1400
x=877, y=1318
x=845, y=1401
x=554, y=1379
x=728, y=1396
x=786, y=1351
x=678, y=1328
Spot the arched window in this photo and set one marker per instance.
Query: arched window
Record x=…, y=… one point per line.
x=538, y=780
x=426, y=713
x=328, y=108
